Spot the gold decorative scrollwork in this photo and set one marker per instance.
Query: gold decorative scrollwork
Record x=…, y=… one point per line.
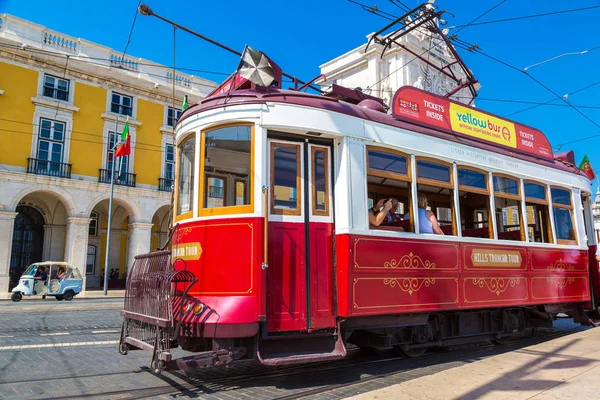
x=560, y=265
x=182, y=232
x=496, y=285
x=560, y=282
x=409, y=285
x=409, y=261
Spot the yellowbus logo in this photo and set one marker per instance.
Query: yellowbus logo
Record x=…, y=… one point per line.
x=482, y=126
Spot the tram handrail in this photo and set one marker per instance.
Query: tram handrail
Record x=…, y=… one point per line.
x=265, y=264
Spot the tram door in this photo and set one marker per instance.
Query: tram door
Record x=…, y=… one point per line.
x=300, y=274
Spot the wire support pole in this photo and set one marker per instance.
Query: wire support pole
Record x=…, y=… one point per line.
x=110, y=206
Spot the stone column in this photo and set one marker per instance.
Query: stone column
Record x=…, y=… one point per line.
x=76, y=243
x=140, y=240
x=54, y=242
x=7, y=225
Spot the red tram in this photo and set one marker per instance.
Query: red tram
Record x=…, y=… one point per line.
x=274, y=256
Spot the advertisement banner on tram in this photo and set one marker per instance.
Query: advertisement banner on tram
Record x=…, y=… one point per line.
x=439, y=112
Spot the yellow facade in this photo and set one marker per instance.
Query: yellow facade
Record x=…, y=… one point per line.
x=16, y=113
x=87, y=135
x=148, y=154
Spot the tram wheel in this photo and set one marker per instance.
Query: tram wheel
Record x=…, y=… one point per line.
x=123, y=349
x=410, y=353
x=157, y=366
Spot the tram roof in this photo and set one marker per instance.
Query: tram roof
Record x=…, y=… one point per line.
x=261, y=95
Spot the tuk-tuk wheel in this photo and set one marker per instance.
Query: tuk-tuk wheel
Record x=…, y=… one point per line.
x=68, y=296
x=59, y=298
x=16, y=296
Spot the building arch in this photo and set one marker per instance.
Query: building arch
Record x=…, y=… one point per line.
x=132, y=210
x=27, y=242
x=65, y=198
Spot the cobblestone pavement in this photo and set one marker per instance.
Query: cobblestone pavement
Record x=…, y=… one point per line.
x=72, y=354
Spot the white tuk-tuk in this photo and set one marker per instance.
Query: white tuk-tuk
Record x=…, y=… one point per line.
x=49, y=278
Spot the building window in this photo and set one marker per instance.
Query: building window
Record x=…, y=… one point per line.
x=169, y=162
x=122, y=162
x=90, y=264
x=173, y=116
x=51, y=139
x=93, y=230
x=56, y=88
x=121, y=104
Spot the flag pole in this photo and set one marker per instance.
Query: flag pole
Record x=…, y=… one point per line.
x=110, y=202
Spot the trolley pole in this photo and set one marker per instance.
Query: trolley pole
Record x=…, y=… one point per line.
x=110, y=202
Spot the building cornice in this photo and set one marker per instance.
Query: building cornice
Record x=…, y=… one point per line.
x=61, y=106
x=110, y=117
x=167, y=130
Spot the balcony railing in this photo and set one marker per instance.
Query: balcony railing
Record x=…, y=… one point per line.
x=165, y=184
x=50, y=168
x=121, y=178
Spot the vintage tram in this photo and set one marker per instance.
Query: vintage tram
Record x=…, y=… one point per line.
x=274, y=256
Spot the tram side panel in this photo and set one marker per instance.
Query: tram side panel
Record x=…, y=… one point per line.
x=226, y=256
x=377, y=275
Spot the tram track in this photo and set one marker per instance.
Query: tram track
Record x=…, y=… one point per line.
x=227, y=379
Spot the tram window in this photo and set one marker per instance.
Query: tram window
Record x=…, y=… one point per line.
x=474, y=202
x=435, y=193
x=508, y=208
x=226, y=170
x=388, y=176
x=562, y=210
x=538, y=214
x=185, y=175
x=320, y=181
x=285, y=178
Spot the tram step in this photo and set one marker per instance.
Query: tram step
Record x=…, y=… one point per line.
x=286, y=351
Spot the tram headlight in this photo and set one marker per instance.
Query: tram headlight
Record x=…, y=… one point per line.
x=187, y=308
x=198, y=309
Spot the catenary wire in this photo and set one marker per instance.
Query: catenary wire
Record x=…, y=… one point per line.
x=132, y=27
x=528, y=16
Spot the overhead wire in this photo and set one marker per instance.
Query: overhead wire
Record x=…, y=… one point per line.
x=528, y=16
x=137, y=8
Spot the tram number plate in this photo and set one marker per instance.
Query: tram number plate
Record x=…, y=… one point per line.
x=495, y=258
x=187, y=251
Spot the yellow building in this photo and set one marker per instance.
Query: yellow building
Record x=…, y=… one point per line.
x=63, y=101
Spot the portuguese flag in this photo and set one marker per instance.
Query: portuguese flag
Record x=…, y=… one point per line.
x=124, y=148
x=586, y=167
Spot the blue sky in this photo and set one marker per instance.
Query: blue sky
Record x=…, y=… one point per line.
x=301, y=35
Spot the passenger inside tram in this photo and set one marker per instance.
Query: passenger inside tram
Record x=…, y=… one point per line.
x=428, y=222
x=384, y=215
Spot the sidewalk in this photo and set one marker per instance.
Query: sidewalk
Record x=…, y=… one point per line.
x=563, y=368
x=88, y=294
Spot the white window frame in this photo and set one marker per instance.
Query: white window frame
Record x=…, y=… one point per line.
x=94, y=217
x=70, y=98
x=51, y=139
x=121, y=104
x=87, y=254
x=134, y=104
x=167, y=140
x=176, y=111
x=60, y=116
x=55, y=88
x=109, y=126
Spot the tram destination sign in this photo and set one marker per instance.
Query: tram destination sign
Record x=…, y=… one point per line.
x=441, y=113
